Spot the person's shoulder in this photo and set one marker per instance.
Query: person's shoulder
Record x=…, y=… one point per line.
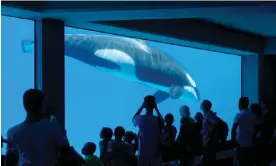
x=122, y=144
x=138, y=117
x=211, y=117
x=156, y=117
x=184, y=120
x=112, y=142
x=14, y=129
x=45, y=123
x=238, y=115
x=101, y=142
x=50, y=124
x=174, y=128
x=97, y=161
x=95, y=157
x=129, y=145
x=247, y=114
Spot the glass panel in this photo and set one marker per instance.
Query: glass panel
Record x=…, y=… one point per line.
x=107, y=78
x=17, y=70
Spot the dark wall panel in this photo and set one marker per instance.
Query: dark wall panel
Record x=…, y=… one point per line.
x=268, y=80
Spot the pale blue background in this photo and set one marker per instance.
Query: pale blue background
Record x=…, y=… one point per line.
x=95, y=99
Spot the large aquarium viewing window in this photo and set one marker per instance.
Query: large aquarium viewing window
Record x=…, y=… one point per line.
x=108, y=76
x=17, y=73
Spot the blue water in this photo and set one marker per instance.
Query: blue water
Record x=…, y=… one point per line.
x=96, y=99
x=17, y=73
x=104, y=100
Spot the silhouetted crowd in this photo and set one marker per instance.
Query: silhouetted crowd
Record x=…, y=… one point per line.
x=40, y=141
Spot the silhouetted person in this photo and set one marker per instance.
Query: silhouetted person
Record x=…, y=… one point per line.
x=186, y=140
x=88, y=151
x=131, y=145
x=265, y=132
x=150, y=130
x=198, y=127
x=118, y=148
x=209, y=134
x=199, y=119
x=106, y=135
x=131, y=140
x=35, y=141
x=168, y=140
x=243, y=132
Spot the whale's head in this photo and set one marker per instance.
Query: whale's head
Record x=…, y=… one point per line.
x=187, y=90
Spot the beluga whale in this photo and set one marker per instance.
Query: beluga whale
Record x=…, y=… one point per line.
x=133, y=60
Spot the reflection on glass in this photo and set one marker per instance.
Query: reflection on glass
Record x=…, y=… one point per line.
x=107, y=77
x=17, y=70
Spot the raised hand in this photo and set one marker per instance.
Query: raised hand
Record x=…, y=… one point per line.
x=143, y=105
x=155, y=106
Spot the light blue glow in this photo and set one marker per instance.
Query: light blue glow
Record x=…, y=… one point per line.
x=17, y=70
x=96, y=99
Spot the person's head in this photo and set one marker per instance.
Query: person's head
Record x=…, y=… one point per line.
x=243, y=103
x=169, y=119
x=119, y=132
x=184, y=111
x=89, y=148
x=33, y=101
x=256, y=109
x=106, y=133
x=198, y=117
x=206, y=105
x=149, y=102
x=129, y=137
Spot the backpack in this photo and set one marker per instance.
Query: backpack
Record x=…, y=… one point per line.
x=222, y=130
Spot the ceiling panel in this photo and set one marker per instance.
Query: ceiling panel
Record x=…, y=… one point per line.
x=120, y=5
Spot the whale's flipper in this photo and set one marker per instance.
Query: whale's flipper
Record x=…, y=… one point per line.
x=189, y=92
x=160, y=96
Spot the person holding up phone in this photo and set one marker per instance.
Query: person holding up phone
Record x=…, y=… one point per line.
x=150, y=133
